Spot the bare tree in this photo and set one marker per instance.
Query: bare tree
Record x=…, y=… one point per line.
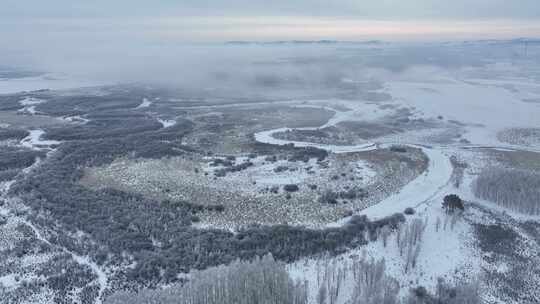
x=385, y=233
x=330, y=279
x=372, y=285
x=409, y=242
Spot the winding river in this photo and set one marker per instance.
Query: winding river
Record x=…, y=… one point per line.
x=416, y=193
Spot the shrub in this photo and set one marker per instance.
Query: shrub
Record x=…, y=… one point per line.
x=398, y=149
x=452, y=203
x=291, y=188
x=463, y=293
x=271, y=158
x=409, y=211
x=329, y=197
x=279, y=169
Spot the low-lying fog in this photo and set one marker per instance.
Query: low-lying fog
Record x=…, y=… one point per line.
x=274, y=70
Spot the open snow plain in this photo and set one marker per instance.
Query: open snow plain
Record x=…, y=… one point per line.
x=108, y=190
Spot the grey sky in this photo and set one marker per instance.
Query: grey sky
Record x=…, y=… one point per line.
x=219, y=20
x=378, y=9
x=63, y=32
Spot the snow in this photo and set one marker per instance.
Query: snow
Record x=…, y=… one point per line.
x=30, y=101
x=75, y=119
x=488, y=109
x=420, y=190
x=34, y=140
x=30, y=110
x=167, y=123
x=144, y=104
x=445, y=253
x=30, y=105
x=268, y=138
x=364, y=171
x=8, y=281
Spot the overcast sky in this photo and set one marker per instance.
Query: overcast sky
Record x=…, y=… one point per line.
x=221, y=20
x=69, y=33
x=378, y=9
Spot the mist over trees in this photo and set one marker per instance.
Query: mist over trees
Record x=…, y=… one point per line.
x=515, y=189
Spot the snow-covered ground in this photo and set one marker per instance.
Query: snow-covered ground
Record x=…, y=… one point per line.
x=31, y=101
x=415, y=194
x=446, y=252
x=29, y=104
x=75, y=119
x=483, y=109
x=167, y=122
x=486, y=110
x=144, y=104
x=34, y=140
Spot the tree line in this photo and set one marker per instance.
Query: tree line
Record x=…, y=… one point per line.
x=515, y=189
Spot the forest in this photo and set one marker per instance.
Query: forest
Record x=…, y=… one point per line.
x=514, y=189
x=267, y=281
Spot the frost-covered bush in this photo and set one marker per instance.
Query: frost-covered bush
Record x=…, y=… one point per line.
x=329, y=197
x=518, y=190
x=452, y=202
x=291, y=188
x=263, y=281
x=398, y=149
x=409, y=211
